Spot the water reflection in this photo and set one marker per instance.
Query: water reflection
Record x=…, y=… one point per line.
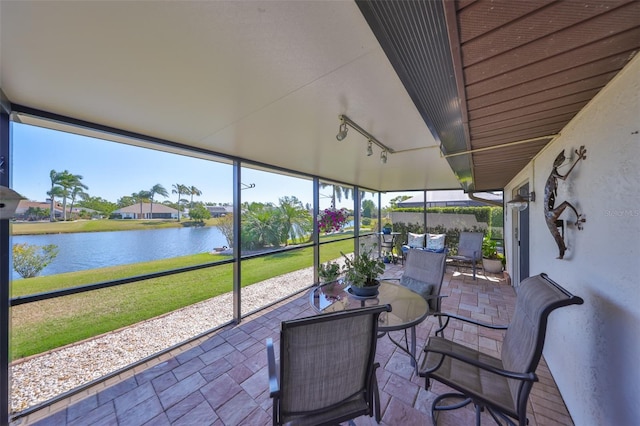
x=88, y=250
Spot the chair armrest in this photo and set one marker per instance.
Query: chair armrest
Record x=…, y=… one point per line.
x=274, y=387
x=439, y=296
x=464, y=319
x=505, y=373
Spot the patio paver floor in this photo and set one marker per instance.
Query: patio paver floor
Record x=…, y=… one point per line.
x=221, y=379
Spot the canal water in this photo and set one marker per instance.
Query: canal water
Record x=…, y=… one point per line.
x=89, y=250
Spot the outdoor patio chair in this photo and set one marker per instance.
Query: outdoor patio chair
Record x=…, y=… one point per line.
x=469, y=249
x=500, y=385
x=423, y=273
x=387, y=246
x=327, y=372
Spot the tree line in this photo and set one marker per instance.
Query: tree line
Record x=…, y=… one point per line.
x=69, y=188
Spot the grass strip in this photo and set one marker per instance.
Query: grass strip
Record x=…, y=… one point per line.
x=45, y=325
x=101, y=225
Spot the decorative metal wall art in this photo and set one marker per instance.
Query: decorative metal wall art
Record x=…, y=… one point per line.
x=552, y=213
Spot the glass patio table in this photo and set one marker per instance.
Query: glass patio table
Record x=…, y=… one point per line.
x=408, y=308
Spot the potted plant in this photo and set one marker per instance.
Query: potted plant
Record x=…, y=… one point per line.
x=361, y=273
x=492, y=261
x=387, y=228
x=329, y=272
x=332, y=220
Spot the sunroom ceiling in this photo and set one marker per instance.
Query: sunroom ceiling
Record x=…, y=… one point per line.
x=266, y=81
x=263, y=81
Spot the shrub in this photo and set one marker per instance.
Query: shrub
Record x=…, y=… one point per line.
x=29, y=260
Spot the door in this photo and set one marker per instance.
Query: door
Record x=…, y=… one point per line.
x=521, y=239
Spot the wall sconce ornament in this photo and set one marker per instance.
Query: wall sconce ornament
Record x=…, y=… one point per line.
x=551, y=212
x=521, y=202
x=9, y=200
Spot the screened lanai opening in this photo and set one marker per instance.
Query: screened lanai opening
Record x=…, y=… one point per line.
x=106, y=242
x=125, y=253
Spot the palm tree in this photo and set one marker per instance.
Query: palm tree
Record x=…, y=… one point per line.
x=53, y=192
x=337, y=192
x=192, y=190
x=68, y=181
x=296, y=221
x=56, y=191
x=179, y=189
x=140, y=197
x=260, y=227
x=78, y=191
x=156, y=189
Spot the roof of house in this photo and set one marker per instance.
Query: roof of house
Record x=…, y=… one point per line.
x=449, y=197
x=24, y=205
x=146, y=208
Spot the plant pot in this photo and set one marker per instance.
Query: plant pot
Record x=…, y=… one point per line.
x=492, y=266
x=386, y=231
x=367, y=291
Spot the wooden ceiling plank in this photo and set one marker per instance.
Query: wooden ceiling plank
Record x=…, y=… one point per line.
x=560, y=105
x=479, y=132
x=552, y=26
x=513, y=98
x=485, y=17
x=574, y=66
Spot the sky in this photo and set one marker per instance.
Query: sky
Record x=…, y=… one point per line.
x=112, y=170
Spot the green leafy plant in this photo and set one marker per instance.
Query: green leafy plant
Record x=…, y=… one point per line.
x=490, y=249
x=29, y=260
x=329, y=271
x=362, y=270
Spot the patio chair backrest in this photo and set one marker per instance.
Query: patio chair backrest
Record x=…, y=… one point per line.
x=470, y=244
x=326, y=360
x=423, y=273
x=524, y=339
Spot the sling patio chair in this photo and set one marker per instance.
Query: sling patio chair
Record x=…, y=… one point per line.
x=499, y=385
x=327, y=369
x=423, y=274
x=469, y=250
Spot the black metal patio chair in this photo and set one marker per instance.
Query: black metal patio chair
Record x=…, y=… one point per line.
x=327, y=371
x=500, y=385
x=469, y=250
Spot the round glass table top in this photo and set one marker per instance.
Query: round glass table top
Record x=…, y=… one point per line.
x=407, y=307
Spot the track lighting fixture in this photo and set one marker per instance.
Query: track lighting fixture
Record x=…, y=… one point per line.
x=342, y=133
x=342, y=130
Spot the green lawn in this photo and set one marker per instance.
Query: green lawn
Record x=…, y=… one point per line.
x=41, y=326
x=102, y=225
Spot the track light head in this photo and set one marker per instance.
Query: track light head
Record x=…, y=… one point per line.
x=383, y=157
x=342, y=131
x=370, y=149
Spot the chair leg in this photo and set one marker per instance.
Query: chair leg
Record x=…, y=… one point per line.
x=376, y=399
x=435, y=407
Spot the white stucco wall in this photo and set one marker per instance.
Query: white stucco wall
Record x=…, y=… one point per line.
x=593, y=350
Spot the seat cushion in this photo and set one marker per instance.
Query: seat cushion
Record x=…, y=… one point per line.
x=422, y=288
